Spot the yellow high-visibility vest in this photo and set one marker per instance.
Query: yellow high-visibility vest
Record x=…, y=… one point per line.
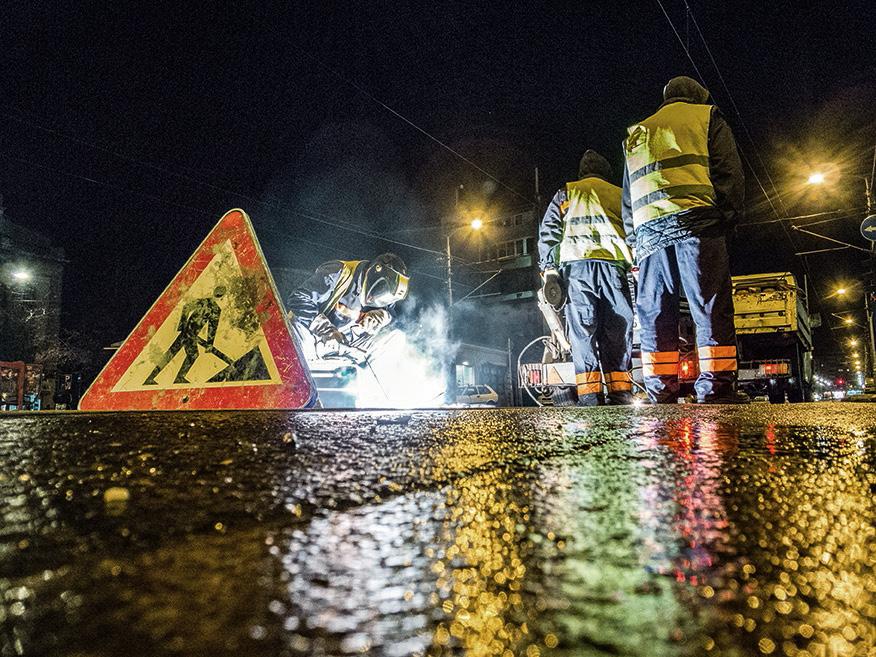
x=592, y=224
x=668, y=162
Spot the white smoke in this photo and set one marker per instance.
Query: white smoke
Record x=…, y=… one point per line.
x=408, y=368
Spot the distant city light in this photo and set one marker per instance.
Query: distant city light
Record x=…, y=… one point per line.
x=841, y=290
x=848, y=320
x=477, y=224
x=21, y=275
x=816, y=178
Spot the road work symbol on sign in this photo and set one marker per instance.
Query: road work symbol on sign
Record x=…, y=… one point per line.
x=216, y=338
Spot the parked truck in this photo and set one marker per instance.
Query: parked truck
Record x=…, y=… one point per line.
x=774, y=336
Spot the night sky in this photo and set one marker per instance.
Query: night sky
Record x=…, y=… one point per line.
x=127, y=132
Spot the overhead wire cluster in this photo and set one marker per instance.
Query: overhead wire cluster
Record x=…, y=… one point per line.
x=777, y=206
x=304, y=212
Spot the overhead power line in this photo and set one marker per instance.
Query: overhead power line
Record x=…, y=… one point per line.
x=776, y=211
x=845, y=212
x=304, y=212
x=734, y=105
x=101, y=183
x=370, y=96
x=435, y=139
x=702, y=78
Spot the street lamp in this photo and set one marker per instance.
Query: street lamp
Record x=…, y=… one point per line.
x=815, y=178
x=21, y=275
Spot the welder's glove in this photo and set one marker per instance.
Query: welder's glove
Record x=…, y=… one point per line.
x=374, y=320
x=324, y=331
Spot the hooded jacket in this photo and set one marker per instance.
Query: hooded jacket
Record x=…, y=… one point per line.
x=725, y=173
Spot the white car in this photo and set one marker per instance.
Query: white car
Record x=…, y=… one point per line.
x=477, y=395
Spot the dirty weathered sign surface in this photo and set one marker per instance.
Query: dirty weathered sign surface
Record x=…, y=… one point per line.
x=217, y=338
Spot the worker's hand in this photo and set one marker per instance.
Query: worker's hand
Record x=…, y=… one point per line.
x=324, y=331
x=334, y=335
x=374, y=320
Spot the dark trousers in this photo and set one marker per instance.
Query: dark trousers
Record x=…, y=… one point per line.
x=599, y=315
x=699, y=268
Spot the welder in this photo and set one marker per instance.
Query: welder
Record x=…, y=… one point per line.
x=582, y=245
x=342, y=294
x=682, y=196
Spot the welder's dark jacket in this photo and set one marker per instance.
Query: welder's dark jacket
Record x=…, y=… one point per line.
x=334, y=290
x=682, y=177
x=583, y=222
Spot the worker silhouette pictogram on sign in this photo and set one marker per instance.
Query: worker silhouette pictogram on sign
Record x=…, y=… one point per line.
x=196, y=314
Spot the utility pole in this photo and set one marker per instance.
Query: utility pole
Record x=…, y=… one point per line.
x=871, y=370
x=450, y=383
x=449, y=258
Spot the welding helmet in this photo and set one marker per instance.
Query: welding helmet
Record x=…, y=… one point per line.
x=386, y=281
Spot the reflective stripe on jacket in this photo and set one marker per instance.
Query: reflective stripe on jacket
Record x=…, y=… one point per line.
x=592, y=225
x=345, y=280
x=667, y=157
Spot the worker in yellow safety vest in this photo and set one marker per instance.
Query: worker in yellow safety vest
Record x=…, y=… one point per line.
x=582, y=241
x=682, y=195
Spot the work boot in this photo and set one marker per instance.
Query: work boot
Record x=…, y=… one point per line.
x=624, y=398
x=591, y=399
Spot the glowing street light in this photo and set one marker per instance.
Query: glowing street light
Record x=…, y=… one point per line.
x=815, y=178
x=21, y=275
x=477, y=224
x=841, y=290
x=848, y=320
x=853, y=342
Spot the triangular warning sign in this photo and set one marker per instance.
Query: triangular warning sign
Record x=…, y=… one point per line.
x=217, y=338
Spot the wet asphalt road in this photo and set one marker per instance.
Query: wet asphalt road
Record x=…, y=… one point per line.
x=679, y=531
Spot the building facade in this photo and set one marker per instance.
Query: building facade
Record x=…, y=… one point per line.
x=497, y=306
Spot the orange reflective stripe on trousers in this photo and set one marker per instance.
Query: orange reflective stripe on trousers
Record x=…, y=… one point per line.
x=660, y=363
x=719, y=358
x=588, y=382
x=619, y=381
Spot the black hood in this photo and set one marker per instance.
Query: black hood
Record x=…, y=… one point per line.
x=593, y=164
x=683, y=88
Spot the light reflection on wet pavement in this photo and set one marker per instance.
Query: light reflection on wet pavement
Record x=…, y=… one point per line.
x=680, y=531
